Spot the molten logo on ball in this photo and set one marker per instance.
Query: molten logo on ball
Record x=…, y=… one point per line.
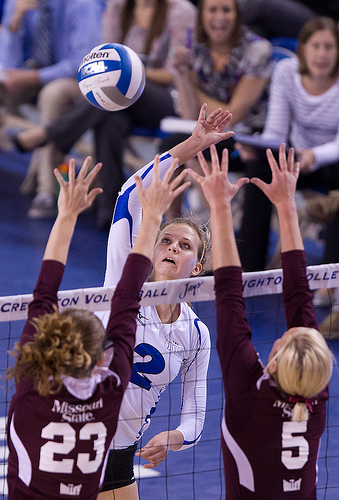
x=111, y=76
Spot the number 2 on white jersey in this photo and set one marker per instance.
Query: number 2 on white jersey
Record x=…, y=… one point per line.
x=155, y=366
x=290, y=440
x=47, y=462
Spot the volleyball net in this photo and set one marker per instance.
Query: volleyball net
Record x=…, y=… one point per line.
x=197, y=472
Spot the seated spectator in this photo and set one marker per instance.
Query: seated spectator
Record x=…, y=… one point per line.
x=303, y=112
x=229, y=67
x=153, y=29
x=42, y=43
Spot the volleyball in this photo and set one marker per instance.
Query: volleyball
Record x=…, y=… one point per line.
x=111, y=76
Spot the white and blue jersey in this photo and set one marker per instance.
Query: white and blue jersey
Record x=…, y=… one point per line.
x=160, y=349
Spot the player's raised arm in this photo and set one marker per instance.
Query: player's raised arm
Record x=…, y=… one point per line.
x=208, y=130
x=219, y=191
x=74, y=198
x=154, y=201
x=281, y=192
x=127, y=213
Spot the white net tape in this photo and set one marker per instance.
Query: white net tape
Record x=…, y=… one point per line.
x=171, y=292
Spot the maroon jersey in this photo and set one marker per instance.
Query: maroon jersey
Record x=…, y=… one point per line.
x=266, y=455
x=58, y=443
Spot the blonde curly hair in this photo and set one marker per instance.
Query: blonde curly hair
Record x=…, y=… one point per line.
x=69, y=343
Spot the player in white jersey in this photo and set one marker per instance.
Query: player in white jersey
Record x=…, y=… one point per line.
x=169, y=337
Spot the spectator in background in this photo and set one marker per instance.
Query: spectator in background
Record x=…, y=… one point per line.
x=42, y=43
x=229, y=67
x=283, y=18
x=304, y=112
x=153, y=29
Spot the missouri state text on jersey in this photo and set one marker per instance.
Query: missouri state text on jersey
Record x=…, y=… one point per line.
x=77, y=412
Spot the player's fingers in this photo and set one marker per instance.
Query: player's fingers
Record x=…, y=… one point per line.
x=138, y=183
x=149, y=466
x=272, y=162
x=282, y=157
x=93, y=173
x=59, y=177
x=224, y=161
x=195, y=175
x=93, y=194
x=84, y=167
x=291, y=160
x=214, y=115
x=147, y=452
x=177, y=180
x=240, y=182
x=181, y=188
x=214, y=159
x=297, y=168
x=223, y=119
x=225, y=135
x=203, y=164
x=259, y=183
x=202, y=112
x=155, y=178
x=170, y=170
x=71, y=172
x=155, y=455
x=227, y=119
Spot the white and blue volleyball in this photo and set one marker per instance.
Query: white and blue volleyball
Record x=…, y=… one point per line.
x=111, y=76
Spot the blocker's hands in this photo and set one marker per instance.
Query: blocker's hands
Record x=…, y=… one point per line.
x=284, y=177
x=74, y=196
x=157, y=198
x=215, y=184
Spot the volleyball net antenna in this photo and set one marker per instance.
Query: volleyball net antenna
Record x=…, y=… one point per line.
x=197, y=472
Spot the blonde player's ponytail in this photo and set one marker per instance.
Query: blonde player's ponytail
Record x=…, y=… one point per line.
x=304, y=366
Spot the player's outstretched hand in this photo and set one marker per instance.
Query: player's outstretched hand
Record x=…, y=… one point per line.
x=211, y=130
x=284, y=177
x=74, y=196
x=215, y=184
x=158, y=196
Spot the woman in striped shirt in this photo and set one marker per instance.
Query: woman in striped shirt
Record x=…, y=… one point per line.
x=303, y=112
